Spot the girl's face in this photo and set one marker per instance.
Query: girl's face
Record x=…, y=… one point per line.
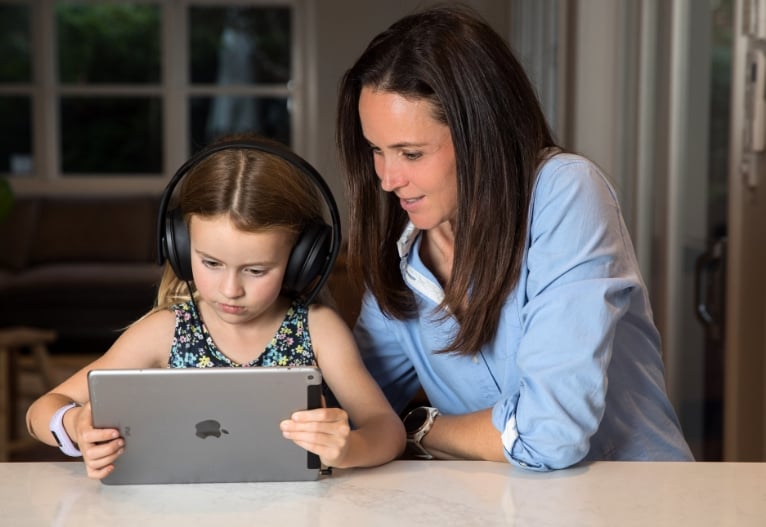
x=238, y=273
x=413, y=153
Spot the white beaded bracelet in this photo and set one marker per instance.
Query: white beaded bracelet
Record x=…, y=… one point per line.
x=59, y=432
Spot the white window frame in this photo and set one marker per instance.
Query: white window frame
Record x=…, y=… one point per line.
x=175, y=90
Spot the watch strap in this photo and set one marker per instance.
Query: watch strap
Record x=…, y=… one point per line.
x=416, y=450
x=59, y=432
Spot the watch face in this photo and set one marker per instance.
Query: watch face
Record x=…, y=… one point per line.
x=415, y=419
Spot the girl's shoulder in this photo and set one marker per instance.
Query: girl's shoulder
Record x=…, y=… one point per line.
x=331, y=338
x=325, y=323
x=146, y=342
x=322, y=313
x=182, y=308
x=160, y=320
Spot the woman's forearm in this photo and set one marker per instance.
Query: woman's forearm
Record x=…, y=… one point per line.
x=469, y=436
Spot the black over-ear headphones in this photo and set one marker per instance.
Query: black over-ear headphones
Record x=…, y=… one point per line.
x=312, y=256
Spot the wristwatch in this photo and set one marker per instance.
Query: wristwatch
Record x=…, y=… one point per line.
x=66, y=445
x=417, y=424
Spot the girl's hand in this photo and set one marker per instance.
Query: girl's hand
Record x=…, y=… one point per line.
x=99, y=446
x=323, y=431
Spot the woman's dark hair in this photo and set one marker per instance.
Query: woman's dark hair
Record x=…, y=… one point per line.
x=450, y=57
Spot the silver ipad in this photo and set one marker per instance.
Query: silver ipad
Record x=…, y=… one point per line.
x=193, y=425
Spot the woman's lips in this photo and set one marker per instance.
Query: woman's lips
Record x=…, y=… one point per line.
x=410, y=204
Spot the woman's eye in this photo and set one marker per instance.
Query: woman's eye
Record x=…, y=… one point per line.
x=412, y=156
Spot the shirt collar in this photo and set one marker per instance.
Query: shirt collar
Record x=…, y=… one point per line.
x=407, y=239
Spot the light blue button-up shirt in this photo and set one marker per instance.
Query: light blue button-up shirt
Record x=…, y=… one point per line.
x=575, y=370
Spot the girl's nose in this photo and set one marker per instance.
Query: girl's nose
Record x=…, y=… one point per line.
x=230, y=285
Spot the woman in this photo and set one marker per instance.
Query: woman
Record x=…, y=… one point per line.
x=500, y=275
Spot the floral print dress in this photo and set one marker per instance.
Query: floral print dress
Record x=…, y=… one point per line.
x=194, y=348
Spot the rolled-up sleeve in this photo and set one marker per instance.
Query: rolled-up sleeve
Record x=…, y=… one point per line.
x=579, y=278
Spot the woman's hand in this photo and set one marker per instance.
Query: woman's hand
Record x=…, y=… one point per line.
x=323, y=431
x=99, y=446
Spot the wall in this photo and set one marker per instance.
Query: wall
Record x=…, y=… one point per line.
x=745, y=381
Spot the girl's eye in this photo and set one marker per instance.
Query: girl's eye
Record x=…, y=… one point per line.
x=255, y=272
x=411, y=156
x=212, y=264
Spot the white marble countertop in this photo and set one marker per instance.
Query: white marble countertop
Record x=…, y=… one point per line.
x=402, y=493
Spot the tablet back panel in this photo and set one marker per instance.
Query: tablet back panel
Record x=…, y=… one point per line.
x=205, y=425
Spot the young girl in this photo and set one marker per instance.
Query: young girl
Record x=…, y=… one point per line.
x=244, y=209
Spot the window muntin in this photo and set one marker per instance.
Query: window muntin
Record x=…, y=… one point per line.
x=101, y=110
x=232, y=48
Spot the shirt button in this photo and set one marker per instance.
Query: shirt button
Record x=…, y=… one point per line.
x=475, y=359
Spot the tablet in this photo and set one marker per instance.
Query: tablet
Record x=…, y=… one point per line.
x=205, y=425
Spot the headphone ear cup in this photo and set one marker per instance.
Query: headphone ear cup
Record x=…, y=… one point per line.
x=177, y=245
x=308, y=257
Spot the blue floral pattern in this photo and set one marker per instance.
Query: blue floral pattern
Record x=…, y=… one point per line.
x=194, y=348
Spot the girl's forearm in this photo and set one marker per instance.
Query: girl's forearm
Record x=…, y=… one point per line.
x=39, y=415
x=379, y=441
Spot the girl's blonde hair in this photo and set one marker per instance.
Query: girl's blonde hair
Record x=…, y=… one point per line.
x=256, y=190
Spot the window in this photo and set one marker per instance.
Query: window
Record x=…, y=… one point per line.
x=15, y=97
x=102, y=91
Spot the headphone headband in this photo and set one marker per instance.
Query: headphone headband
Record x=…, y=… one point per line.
x=167, y=240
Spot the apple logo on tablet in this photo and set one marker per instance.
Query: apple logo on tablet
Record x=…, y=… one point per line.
x=209, y=428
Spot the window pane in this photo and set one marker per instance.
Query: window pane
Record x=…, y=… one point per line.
x=212, y=117
x=16, y=135
x=240, y=45
x=108, y=43
x=111, y=135
x=14, y=43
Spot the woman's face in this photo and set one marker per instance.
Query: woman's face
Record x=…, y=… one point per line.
x=413, y=153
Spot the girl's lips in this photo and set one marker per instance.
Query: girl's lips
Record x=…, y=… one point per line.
x=226, y=308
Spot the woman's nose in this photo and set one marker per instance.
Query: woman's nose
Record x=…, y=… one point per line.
x=390, y=176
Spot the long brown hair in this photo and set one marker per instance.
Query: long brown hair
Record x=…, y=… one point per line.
x=453, y=59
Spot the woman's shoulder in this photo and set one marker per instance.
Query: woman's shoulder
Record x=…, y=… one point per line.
x=567, y=163
x=565, y=173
